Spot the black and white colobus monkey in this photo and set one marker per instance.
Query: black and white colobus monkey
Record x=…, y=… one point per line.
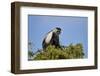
x=52, y=38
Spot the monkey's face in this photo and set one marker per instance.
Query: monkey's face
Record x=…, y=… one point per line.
x=57, y=31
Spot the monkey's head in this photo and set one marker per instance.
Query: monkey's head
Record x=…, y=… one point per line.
x=57, y=30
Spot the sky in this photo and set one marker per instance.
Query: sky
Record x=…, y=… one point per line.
x=74, y=30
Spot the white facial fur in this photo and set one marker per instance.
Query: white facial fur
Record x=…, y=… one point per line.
x=56, y=31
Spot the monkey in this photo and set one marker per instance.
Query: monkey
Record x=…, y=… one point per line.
x=52, y=38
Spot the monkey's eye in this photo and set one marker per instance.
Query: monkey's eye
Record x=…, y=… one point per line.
x=58, y=32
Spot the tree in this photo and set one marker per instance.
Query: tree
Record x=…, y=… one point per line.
x=66, y=52
x=30, y=52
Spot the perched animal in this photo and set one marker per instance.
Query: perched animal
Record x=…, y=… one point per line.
x=52, y=38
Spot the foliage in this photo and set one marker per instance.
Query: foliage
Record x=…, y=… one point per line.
x=65, y=52
x=30, y=53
